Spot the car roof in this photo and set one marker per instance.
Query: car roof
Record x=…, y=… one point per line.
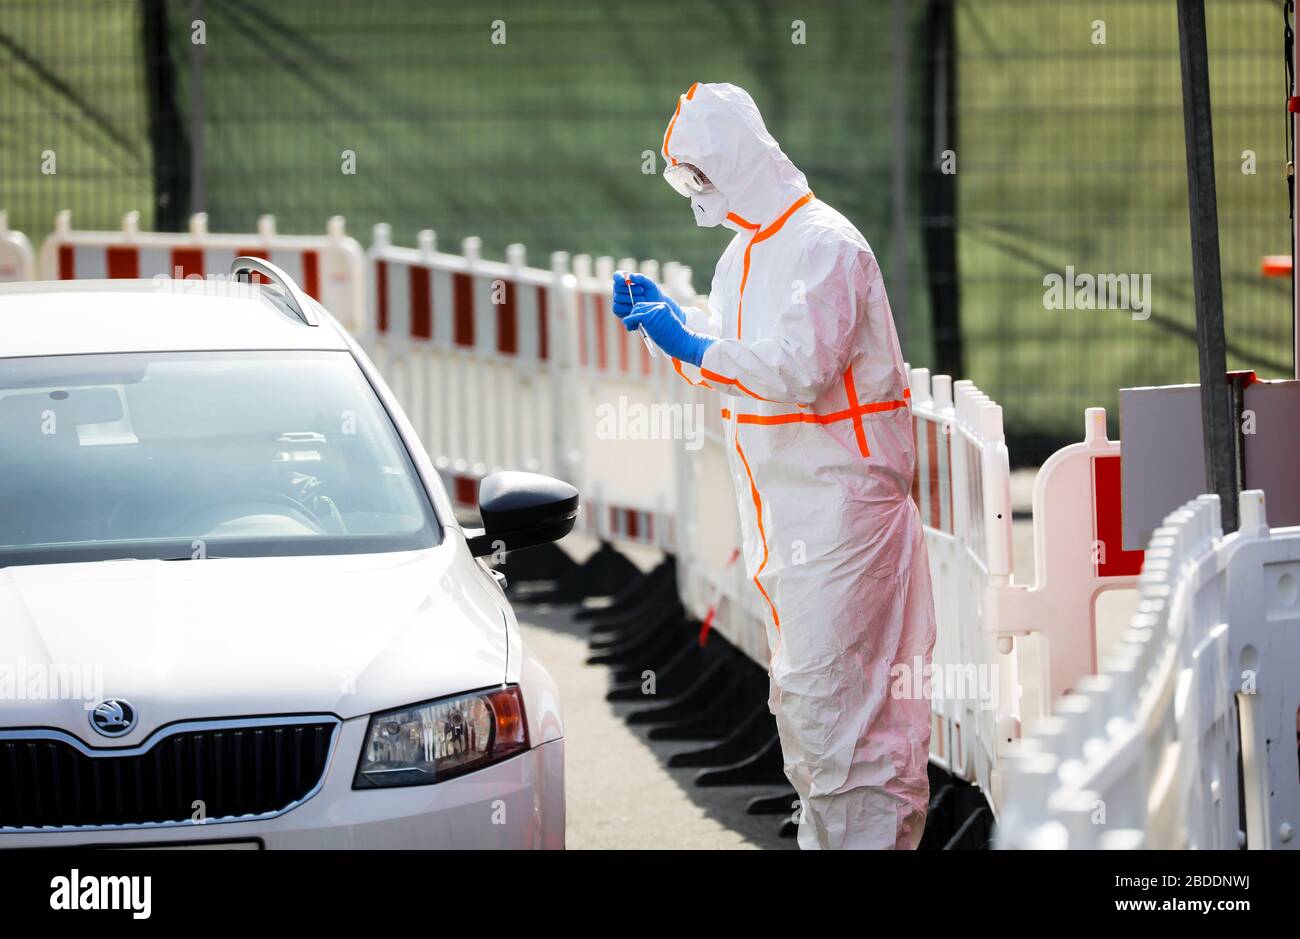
x=79, y=317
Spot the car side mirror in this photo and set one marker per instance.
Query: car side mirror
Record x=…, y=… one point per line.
x=520, y=510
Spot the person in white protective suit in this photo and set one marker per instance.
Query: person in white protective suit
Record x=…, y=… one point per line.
x=799, y=339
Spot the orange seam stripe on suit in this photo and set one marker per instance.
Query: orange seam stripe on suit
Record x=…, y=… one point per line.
x=762, y=236
x=668, y=134
x=795, y=417
x=851, y=392
x=762, y=536
x=714, y=376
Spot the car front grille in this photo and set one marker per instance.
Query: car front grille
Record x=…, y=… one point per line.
x=215, y=771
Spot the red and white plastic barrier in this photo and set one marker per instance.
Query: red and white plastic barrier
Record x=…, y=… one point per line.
x=629, y=420
x=16, y=259
x=1145, y=755
x=477, y=353
x=1035, y=641
x=330, y=267
x=505, y=366
x=1078, y=554
x=962, y=488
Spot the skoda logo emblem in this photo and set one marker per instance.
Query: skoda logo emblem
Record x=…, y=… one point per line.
x=113, y=717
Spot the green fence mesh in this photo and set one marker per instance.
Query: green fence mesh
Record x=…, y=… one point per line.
x=1071, y=153
x=540, y=123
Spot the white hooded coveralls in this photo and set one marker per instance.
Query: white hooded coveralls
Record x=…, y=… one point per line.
x=822, y=452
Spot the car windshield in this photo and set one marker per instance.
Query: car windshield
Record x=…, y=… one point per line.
x=191, y=455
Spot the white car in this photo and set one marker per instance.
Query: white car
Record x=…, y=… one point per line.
x=235, y=603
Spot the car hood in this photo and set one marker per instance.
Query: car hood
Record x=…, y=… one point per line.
x=188, y=640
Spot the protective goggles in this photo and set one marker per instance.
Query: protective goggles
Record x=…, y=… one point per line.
x=687, y=180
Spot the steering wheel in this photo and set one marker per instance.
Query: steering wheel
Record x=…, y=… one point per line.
x=247, y=498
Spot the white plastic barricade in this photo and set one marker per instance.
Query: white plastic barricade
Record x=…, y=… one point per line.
x=330, y=267
x=962, y=488
x=1078, y=554
x=1145, y=754
x=475, y=351
x=16, y=259
x=979, y=678
x=628, y=418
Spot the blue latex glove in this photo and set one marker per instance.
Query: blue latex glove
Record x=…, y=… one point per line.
x=644, y=290
x=668, y=332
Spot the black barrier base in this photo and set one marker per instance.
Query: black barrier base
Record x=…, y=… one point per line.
x=611, y=634
x=959, y=817
x=672, y=674
x=546, y=574
x=763, y=767
x=657, y=635
x=708, y=710
x=751, y=734
x=611, y=631
x=785, y=803
x=660, y=580
x=538, y=573
x=606, y=573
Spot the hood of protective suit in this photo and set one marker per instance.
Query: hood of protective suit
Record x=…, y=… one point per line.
x=718, y=129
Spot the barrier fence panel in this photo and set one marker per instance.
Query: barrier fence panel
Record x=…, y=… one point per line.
x=329, y=267
x=986, y=688
x=986, y=672
x=475, y=351
x=503, y=366
x=628, y=419
x=17, y=262
x=1145, y=755
x=1262, y=600
x=962, y=488
x=1078, y=554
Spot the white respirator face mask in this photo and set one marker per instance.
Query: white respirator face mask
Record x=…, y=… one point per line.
x=709, y=208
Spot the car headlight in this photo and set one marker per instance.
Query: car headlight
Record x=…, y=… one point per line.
x=427, y=743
